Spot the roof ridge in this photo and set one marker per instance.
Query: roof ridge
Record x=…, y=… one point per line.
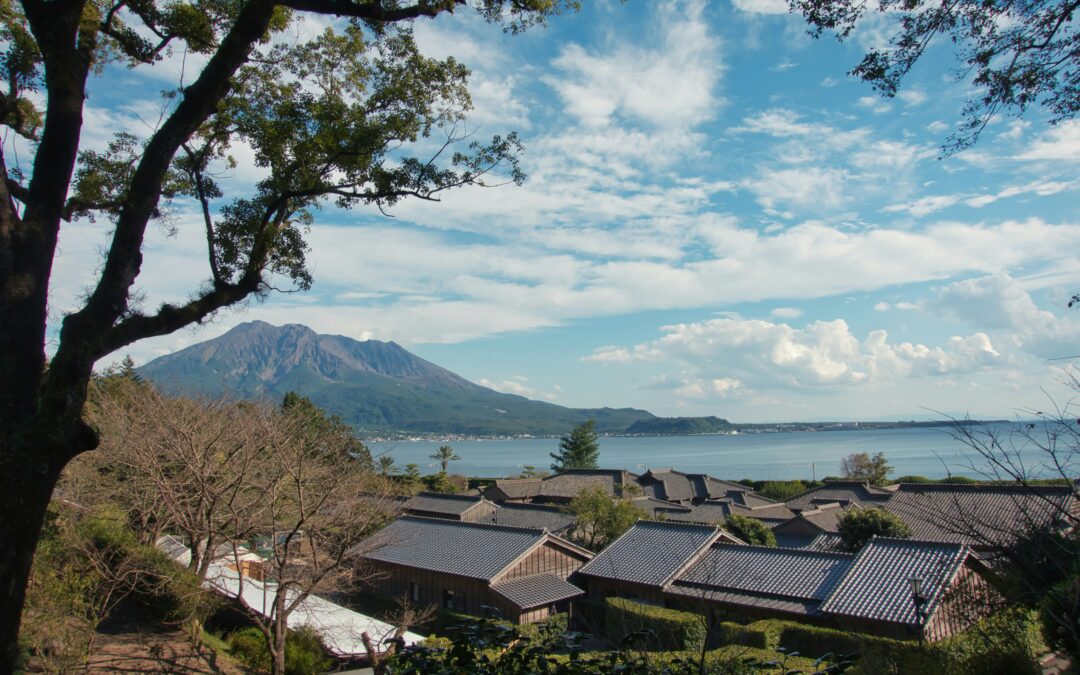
x=785, y=551
x=474, y=525
x=449, y=495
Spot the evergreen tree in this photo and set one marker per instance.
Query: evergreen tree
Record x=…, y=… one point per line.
x=580, y=449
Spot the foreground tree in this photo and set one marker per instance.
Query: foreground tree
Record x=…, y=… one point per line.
x=1018, y=54
x=580, y=449
x=328, y=119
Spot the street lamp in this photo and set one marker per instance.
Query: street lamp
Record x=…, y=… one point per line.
x=919, y=600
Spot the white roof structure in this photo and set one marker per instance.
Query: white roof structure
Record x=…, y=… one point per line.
x=340, y=628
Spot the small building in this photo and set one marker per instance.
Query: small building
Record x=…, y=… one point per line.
x=696, y=568
x=466, y=508
x=513, y=490
x=642, y=562
x=843, y=492
x=687, y=488
x=807, y=526
x=985, y=517
x=470, y=567
x=554, y=519
x=716, y=512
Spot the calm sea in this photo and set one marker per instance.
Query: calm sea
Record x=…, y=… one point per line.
x=930, y=452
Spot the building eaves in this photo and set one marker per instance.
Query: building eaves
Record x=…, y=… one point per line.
x=651, y=552
x=536, y=590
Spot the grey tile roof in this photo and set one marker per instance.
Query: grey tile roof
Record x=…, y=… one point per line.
x=827, y=542
x=569, y=484
x=788, y=573
x=652, y=506
x=844, y=492
x=713, y=513
x=551, y=518
x=650, y=552
x=474, y=550
x=536, y=590
x=793, y=540
x=978, y=515
x=442, y=503
x=746, y=498
x=519, y=488
x=877, y=585
x=790, y=606
x=672, y=485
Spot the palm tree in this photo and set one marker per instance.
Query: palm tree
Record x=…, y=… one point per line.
x=444, y=456
x=387, y=466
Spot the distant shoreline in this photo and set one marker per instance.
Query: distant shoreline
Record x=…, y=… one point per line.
x=761, y=428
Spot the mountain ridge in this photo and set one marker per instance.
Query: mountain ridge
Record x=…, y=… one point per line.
x=373, y=385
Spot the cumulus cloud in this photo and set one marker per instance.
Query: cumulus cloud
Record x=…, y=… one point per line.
x=667, y=85
x=1000, y=304
x=786, y=312
x=762, y=6
x=516, y=385
x=824, y=353
x=1060, y=143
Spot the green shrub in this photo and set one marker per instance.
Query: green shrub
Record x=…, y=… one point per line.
x=750, y=530
x=304, y=651
x=592, y=614
x=674, y=629
x=782, y=490
x=1008, y=642
x=1059, y=617
x=859, y=526
x=759, y=635
x=814, y=640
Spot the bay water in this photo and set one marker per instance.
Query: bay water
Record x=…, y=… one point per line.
x=933, y=452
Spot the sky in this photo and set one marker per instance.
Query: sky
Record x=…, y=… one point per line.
x=717, y=221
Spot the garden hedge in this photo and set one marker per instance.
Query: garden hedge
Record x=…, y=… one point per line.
x=674, y=629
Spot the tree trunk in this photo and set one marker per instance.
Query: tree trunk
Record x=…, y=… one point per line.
x=28, y=482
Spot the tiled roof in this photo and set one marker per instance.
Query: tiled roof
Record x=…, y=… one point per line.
x=650, y=552
x=519, y=488
x=762, y=570
x=827, y=542
x=569, y=484
x=714, y=513
x=439, y=502
x=536, y=590
x=746, y=498
x=825, y=517
x=667, y=484
x=652, y=506
x=769, y=513
x=791, y=606
x=877, y=586
x=474, y=550
x=978, y=515
x=672, y=485
x=551, y=518
x=844, y=492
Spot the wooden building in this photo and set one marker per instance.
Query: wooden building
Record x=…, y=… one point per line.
x=470, y=567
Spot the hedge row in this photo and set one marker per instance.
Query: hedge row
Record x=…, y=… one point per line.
x=674, y=629
x=1005, y=643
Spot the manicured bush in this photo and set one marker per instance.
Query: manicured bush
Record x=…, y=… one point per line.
x=674, y=629
x=814, y=640
x=591, y=616
x=859, y=526
x=304, y=651
x=760, y=635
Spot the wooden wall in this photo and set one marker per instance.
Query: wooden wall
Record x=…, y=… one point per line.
x=546, y=559
x=396, y=582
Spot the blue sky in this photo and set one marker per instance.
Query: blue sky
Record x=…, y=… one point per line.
x=717, y=221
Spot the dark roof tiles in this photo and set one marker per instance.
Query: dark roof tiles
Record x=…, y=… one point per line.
x=551, y=518
x=650, y=552
x=878, y=587
x=790, y=573
x=438, y=502
x=536, y=590
x=843, y=492
x=472, y=550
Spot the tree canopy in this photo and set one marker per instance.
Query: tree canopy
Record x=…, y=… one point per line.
x=858, y=526
x=579, y=449
x=750, y=530
x=1018, y=55
x=354, y=116
x=861, y=466
x=600, y=518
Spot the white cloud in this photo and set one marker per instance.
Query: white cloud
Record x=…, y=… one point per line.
x=668, y=85
x=1060, y=143
x=824, y=353
x=912, y=97
x=882, y=306
x=811, y=189
x=762, y=6
x=516, y=385
x=875, y=104
x=1000, y=304
x=786, y=312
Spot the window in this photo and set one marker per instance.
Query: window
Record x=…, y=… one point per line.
x=414, y=592
x=448, y=600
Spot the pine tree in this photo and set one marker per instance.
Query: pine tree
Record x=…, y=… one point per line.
x=580, y=449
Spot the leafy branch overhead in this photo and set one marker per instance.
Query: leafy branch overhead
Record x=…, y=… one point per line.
x=1016, y=54
x=354, y=116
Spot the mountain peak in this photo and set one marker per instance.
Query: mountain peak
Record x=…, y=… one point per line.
x=371, y=384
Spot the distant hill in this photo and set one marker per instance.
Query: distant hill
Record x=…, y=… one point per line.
x=374, y=386
x=679, y=426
